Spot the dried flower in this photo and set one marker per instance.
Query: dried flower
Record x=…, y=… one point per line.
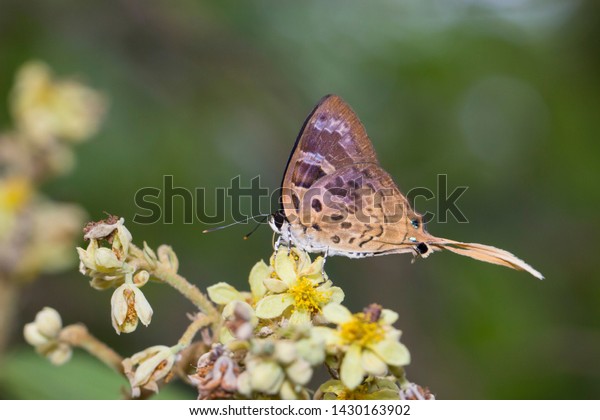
x=43, y=333
x=128, y=305
x=366, y=342
x=106, y=266
x=146, y=368
x=298, y=284
x=412, y=391
x=216, y=374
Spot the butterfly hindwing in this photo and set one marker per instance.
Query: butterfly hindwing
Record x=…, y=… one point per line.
x=357, y=209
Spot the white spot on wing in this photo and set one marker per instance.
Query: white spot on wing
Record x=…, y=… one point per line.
x=332, y=125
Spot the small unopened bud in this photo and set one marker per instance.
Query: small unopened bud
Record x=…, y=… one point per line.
x=168, y=257
x=141, y=278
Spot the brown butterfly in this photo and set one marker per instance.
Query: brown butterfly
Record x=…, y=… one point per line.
x=337, y=200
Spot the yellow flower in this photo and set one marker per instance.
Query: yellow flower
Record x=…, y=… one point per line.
x=297, y=283
x=146, y=368
x=366, y=342
x=45, y=109
x=128, y=306
x=238, y=307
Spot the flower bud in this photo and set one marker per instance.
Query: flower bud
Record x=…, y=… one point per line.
x=141, y=278
x=48, y=322
x=168, y=257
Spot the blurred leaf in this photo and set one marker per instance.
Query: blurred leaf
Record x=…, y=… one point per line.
x=26, y=375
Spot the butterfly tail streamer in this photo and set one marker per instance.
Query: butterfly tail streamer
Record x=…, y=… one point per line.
x=486, y=253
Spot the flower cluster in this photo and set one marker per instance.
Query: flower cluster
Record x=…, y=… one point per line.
x=263, y=343
x=109, y=266
x=49, y=117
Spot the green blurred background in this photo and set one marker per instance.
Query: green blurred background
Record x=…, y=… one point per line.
x=501, y=95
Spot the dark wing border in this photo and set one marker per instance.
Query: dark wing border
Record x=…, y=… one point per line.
x=287, y=165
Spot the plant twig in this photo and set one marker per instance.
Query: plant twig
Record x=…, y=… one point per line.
x=77, y=335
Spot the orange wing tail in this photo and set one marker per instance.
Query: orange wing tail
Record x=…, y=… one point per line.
x=486, y=253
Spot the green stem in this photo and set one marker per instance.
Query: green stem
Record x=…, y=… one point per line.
x=77, y=335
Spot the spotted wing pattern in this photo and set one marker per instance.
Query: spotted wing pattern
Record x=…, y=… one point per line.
x=336, y=198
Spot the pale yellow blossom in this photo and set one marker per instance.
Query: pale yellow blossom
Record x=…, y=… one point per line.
x=296, y=287
x=366, y=342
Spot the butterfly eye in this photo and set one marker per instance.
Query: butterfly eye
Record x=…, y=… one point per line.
x=415, y=223
x=422, y=248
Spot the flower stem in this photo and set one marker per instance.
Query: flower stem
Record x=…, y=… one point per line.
x=77, y=335
x=179, y=283
x=190, y=291
x=200, y=322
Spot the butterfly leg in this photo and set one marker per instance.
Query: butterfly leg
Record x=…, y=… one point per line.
x=325, y=254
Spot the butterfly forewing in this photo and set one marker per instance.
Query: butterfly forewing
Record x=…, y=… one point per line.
x=335, y=195
x=332, y=137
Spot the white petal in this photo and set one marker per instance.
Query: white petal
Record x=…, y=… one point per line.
x=337, y=294
x=351, y=371
x=272, y=306
x=258, y=274
x=388, y=317
x=142, y=306
x=106, y=260
x=275, y=286
x=336, y=313
x=285, y=266
x=118, y=304
x=372, y=364
x=299, y=317
x=392, y=352
x=223, y=293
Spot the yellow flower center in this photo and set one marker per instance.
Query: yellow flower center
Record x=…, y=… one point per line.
x=307, y=297
x=361, y=331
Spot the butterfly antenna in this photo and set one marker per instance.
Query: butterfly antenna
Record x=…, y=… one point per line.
x=256, y=227
x=236, y=223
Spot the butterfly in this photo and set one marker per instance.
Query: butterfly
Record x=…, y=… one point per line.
x=336, y=199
